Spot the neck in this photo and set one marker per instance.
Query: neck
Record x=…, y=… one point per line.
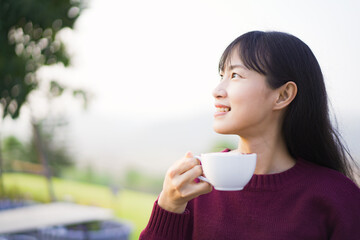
x=272, y=154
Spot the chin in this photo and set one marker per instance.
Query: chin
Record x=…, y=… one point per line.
x=222, y=129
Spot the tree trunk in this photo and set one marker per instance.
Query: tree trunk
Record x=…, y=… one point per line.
x=43, y=159
x=2, y=187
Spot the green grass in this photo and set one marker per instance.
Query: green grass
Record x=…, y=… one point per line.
x=127, y=205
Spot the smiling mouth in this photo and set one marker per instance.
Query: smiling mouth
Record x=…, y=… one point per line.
x=223, y=109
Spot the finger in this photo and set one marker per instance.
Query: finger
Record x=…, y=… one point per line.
x=191, y=174
x=186, y=179
x=184, y=165
x=189, y=155
x=202, y=188
x=196, y=189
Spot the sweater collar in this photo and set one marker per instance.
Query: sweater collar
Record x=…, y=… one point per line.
x=273, y=182
x=276, y=181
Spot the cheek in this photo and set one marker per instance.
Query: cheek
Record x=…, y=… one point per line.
x=245, y=97
x=251, y=100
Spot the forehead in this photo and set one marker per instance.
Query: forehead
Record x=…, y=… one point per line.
x=250, y=56
x=233, y=60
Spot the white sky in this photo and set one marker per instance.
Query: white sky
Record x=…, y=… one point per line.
x=157, y=60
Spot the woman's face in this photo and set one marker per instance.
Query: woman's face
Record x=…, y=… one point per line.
x=244, y=102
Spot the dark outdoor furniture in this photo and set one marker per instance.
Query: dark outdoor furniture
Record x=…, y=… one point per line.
x=60, y=221
x=18, y=237
x=109, y=230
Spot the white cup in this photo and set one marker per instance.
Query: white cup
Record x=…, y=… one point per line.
x=227, y=171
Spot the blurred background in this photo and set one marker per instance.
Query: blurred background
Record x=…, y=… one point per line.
x=110, y=93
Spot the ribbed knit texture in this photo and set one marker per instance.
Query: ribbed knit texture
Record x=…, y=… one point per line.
x=304, y=202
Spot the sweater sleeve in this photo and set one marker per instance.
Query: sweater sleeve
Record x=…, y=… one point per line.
x=165, y=225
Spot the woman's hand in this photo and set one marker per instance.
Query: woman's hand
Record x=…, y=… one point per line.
x=179, y=185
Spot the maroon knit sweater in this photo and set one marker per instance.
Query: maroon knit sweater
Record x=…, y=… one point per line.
x=304, y=202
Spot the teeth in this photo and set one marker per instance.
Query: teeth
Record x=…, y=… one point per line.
x=223, y=109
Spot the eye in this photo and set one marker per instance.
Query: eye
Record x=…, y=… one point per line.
x=221, y=77
x=235, y=75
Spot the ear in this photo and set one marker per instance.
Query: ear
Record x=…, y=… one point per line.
x=286, y=94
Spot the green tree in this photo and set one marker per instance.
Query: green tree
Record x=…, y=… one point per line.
x=56, y=150
x=29, y=39
x=13, y=149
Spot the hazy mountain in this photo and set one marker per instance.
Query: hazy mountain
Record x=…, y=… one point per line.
x=114, y=144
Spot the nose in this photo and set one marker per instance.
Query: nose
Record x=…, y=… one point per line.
x=219, y=92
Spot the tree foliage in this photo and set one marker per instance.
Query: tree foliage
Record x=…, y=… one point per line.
x=56, y=150
x=28, y=40
x=221, y=145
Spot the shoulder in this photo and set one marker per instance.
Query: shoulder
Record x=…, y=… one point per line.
x=331, y=194
x=331, y=184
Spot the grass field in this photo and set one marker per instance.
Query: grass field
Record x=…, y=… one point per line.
x=127, y=205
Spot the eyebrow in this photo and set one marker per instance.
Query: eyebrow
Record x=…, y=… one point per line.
x=231, y=67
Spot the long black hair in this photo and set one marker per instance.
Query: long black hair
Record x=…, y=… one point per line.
x=307, y=129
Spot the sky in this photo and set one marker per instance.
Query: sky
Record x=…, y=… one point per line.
x=154, y=63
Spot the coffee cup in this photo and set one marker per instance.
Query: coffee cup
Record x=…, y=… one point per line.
x=227, y=171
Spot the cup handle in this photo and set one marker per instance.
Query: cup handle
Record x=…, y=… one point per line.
x=204, y=179
x=201, y=177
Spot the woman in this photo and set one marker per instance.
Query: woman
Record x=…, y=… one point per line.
x=272, y=95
